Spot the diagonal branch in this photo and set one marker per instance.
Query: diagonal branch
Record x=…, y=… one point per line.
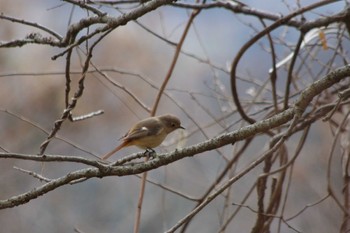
x=251, y=42
x=100, y=170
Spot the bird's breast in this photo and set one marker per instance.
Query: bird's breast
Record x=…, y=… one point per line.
x=150, y=141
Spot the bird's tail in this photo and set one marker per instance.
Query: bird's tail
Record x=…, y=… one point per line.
x=106, y=156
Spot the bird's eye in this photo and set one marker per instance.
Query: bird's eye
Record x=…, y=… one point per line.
x=173, y=125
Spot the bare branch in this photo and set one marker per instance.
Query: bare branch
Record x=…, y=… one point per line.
x=102, y=170
x=34, y=174
x=35, y=25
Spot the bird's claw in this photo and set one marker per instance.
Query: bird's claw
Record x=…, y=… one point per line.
x=150, y=153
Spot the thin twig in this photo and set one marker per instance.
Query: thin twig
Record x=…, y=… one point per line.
x=154, y=109
x=251, y=42
x=101, y=170
x=82, y=4
x=34, y=174
x=224, y=186
x=35, y=25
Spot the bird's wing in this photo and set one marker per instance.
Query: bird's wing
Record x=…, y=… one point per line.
x=144, y=128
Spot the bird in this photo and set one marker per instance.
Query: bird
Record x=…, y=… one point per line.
x=148, y=133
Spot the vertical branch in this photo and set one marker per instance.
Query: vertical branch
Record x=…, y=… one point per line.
x=261, y=187
x=345, y=144
x=68, y=79
x=290, y=70
x=276, y=189
x=345, y=227
x=154, y=110
x=273, y=74
x=251, y=42
x=329, y=164
x=174, y=61
x=67, y=112
x=300, y=145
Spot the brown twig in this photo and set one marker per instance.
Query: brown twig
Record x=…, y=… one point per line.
x=154, y=109
x=67, y=112
x=329, y=164
x=101, y=170
x=251, y=42
x=224, y=186
x=34, y=174
x=291, y=69
x=35, y=25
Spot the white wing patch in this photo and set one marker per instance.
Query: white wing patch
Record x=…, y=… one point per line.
x=144, y=128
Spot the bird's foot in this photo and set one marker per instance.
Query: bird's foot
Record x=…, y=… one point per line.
x=150, y=153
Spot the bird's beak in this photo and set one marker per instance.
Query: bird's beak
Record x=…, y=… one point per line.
x=180, y=127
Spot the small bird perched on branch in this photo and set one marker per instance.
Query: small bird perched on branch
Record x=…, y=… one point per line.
x=148, y=133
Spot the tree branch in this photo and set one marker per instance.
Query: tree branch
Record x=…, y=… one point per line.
x=101, y=170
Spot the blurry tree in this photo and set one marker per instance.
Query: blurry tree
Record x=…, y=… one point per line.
x=271, y=155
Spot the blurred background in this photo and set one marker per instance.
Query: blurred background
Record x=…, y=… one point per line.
x=32, y=97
